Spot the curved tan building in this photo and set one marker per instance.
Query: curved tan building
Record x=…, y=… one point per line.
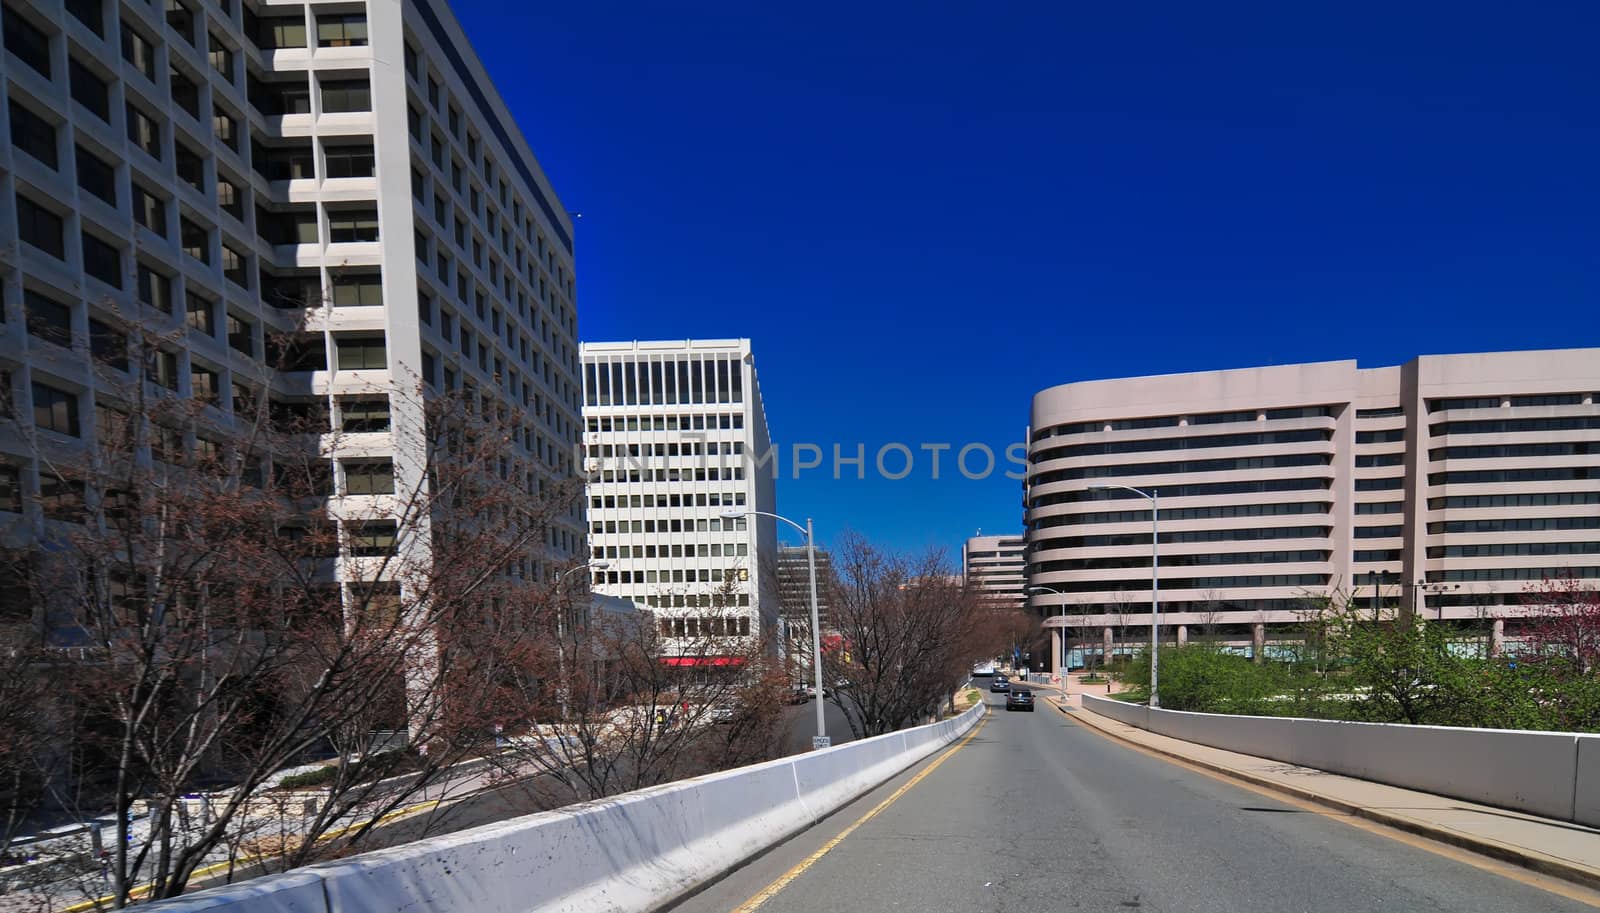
x=1450, y=482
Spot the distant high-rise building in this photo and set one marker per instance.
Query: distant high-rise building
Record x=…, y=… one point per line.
x=794, y=599
x=1445, y=486
x=676, y=438
x=993, y=566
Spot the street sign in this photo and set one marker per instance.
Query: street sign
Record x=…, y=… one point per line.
x=821, y=741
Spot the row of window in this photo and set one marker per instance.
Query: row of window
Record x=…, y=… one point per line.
x=1247, y=534
x=1254, y=439
x=675, y=525
x=1492, y=451
x=687, y=448
x=1184, y=466
x=698, y=474
x=1534, y=499
x=1497, y=402
x=1501, y=549
x=1504, y=425
x=1513, y=524
x=684, y=499
x=703, y=627
x=1186, y=560
x=45, y=228
x=1175, y=421
x=690, y=575
x=1220, y=511
x=690, y=550
x=1465, y=575
x=669, y=382
x=1197, y=490
x=1193, y=583
x=1483, y=476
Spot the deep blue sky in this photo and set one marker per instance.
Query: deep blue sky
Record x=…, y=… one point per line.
x=921, y=214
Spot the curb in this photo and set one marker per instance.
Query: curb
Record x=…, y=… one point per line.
x=1544, y=865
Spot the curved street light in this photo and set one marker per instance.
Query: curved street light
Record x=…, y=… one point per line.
x=821, y=740
x=561, y=633
x=1153, y=496
x=1037, y=588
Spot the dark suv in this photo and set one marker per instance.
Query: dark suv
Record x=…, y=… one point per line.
x=999, y=684
x=1019, y=699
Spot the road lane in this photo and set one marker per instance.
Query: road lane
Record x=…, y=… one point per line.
x=1037, y=813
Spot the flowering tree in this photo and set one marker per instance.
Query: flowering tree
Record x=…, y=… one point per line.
x=1561, y=623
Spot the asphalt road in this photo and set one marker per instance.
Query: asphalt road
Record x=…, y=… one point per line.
x=1037, y=813
x=801, y=722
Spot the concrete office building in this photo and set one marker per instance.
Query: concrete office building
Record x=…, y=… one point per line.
x=993, y=566
x=794, y=600
x=220, y=173
x=1445, y=485
x=676, y=435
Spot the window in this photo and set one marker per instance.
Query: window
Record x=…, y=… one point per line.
x=185, y=91
x=200, y=314
x=149, y=210
x=55, y=410
x=48, y=320
x=372, y=538
x=89, y=13
x=191, y=167
x=353, y=161
x=455, y=122
x=412, y=59
x=180, y=18
x=346, y=226
x=362, y=353
x=163, y=368
x=27, y=43
x=196, y=240
x=155, y=289
x=221, y=58
x=281, y=32
x=226, y=128
x=11, y=494
x=144, y=132
x=433, y=93
x=61, y=499
x=414, y=123
x=230, y=199
x=89, y=90
x=425, y=309
x=41, y=228
x=234, y=267
x=137, y=50
x=96, y=176
x=359, y=416
x=107, y=345
x=357, y=290
x=276, y=98
x=285, y=163
x=33, y=134
x=241, y=335
x=369, y=478
x=342, y=95
x=342, y=31
x=102, y=261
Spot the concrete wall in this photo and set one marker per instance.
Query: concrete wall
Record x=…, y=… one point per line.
x=1550, y=774
x=635, y=852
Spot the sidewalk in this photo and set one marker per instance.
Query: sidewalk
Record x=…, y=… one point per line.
x=1557, y=848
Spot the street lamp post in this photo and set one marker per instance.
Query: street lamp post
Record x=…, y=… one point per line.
x=1061, y=670
x=561, y=633
x=821, y=741
x=1153, y=496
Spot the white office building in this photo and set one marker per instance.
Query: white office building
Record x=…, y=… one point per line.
x=219, y=172
x=676, y=438
x=993, y=566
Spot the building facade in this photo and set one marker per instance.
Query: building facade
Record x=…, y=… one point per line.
x=794, y=600
x=225, y=175
x=1446, y=486
x=676, y=437
x=994, y=567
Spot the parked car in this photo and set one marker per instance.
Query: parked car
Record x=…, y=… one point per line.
x=799, y=694
x=1020, y=699
x=1000, y=684
x=721, y=712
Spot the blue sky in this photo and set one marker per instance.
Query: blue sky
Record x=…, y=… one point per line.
x=921, y=214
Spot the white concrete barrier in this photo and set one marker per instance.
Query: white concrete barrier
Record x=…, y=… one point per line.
x=628, y=854
x=1550, y=774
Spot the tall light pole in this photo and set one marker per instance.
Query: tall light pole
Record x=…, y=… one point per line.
x=1060, y=670
x=821, y=741
x=1153, y=496
x=561, y=633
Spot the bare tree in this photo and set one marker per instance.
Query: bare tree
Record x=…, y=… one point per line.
x=908, y=633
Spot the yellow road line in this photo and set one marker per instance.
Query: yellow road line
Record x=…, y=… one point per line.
x=782, y=881
x=141, y=890
x=1551, y=883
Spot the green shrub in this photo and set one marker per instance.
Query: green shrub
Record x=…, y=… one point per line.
x=1205, y=679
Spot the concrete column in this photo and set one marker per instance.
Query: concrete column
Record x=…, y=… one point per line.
x=1183, y=635
x=1497, y=637
x=1258, y=636
x=1057, y=654
x=1105, y=657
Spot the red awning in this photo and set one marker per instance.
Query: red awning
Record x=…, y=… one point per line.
x=703, y=660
